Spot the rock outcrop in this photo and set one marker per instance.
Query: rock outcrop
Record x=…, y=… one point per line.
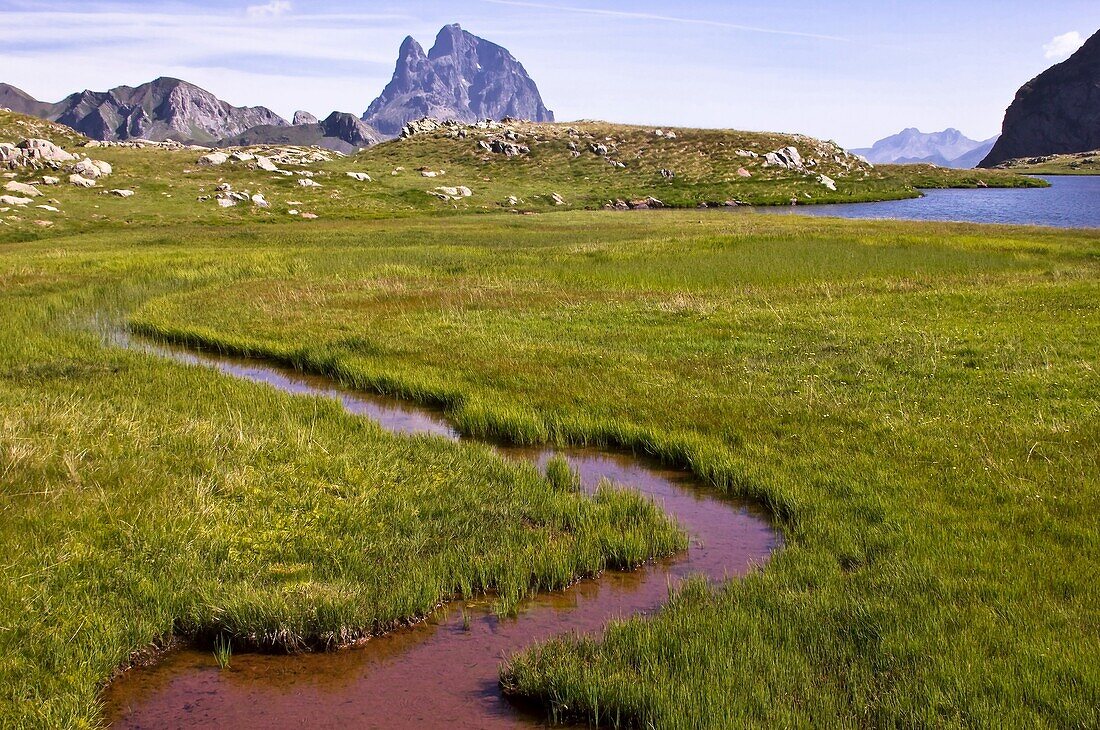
x=160, y=110
x=1057, y=112
x=462, y=78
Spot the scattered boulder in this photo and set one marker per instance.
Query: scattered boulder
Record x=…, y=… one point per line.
x=81, y=182
x=14, y=200
x=827, y=182
x=429, y=173
x=265, y=164
x=508, y=149
x=557, y=199
x=91, y=169
x=214, y=158
x=48, y=180
x=360, y=176
x=309, y=216
x=49, y=208
x=259, y=201
x=122, y=193
x=306, y=182
x=242, y=156
x=645, y=203
x=226, y=202
x=512, y=200
x=668, y=174
x=22, y=188
x=452, y=193
x=742, y=172
x=599, y=149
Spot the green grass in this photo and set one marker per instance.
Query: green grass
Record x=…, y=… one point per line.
x=918, y=403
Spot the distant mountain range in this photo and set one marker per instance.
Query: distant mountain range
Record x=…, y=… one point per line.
x=1057, y=112
x=949, y=148
x=162, y=109
x=462, y=77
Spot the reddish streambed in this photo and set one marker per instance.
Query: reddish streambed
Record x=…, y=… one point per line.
x=443, y=672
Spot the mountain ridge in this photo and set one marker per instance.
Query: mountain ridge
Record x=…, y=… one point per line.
x=949, y=148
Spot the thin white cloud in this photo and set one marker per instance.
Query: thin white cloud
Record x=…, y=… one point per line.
x=273, y=9
x=666, y=19
x=1063, y=46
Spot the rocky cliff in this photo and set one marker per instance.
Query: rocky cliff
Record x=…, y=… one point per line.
x=162, y=109
x=462, y=77
x=1057, y=112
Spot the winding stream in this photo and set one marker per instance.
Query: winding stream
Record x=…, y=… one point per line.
x=443, y=672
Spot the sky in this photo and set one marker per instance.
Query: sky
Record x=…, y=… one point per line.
x=852, y=71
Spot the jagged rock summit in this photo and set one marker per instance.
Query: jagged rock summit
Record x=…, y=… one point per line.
x=1057, y=112
x=163, y=109
x=949, y=148
x=463, y=77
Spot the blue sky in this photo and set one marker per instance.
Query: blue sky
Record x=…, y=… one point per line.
x=853, y=71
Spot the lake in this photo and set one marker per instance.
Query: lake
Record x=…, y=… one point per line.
x=1070, y=202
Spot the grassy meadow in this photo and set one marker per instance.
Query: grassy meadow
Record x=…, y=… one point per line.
x=916, y=403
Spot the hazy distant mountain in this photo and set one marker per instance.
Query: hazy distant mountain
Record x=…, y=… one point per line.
x=949, y=148
x=340, y=131
x=1057, y=112
x=463, y=77
x=163, y=109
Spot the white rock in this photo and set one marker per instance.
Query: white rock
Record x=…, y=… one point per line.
x=214, y=158
x=265, y=164
x=47, y=180
x=103, y=167
x=226, y=202
x=259, y=201
x=292, y=212
x=123, y=193
x=81, y=182
x=360, y=176
x=558, y=199
x=50, y=208
x=22, y=189
x=827, y=181
x=305, y=182
x=429, y=173
x=242, y=157
x=43, y=149
x=13, y=200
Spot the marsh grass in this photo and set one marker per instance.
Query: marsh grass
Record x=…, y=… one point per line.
x=915, y=402
x=223, y=651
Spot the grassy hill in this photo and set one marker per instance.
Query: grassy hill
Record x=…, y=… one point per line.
x=15, y=127
x=681, y=168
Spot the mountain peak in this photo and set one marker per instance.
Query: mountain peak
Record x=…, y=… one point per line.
x=462, y=77
x=949, y=148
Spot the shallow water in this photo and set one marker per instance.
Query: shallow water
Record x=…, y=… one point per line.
x=443, y=672
x=1072, y=201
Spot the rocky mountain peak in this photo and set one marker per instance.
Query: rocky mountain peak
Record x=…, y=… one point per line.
x=463, y=77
